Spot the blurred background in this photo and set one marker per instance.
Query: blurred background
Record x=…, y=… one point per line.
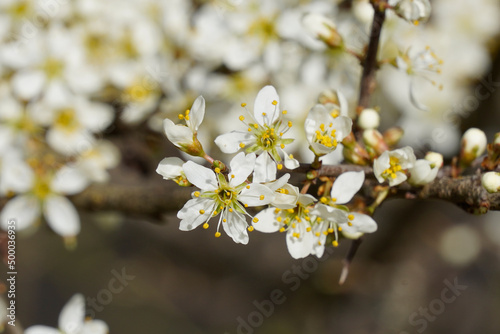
x=129, y=64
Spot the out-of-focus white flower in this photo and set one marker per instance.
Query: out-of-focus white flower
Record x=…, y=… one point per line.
x=72, y=321
x=325, y=128
x=491, y=182
x=422, y=173
x=229, y=197
x=369, y=119
x=44, y=193
x=264, y=136
x=414, y=11
x=95, y=161
x=392, y=165
x=323, y=29
x=73, y=123
x=473, y=144
x=435, y=158
x=185, y=137
x=295, y=221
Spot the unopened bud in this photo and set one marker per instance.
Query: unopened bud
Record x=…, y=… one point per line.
x=491, y=182
x=323, y=29
x=393, y=135
x=194, y=148
x=369, y=119
x=436, y=159
x=219, y=166
x=356, y=155
x=473, y=145
x=375, y=141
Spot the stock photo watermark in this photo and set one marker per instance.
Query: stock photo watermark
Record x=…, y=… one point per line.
x=293, y=279
x=421, y=318
x=116, y=285
x=12, y=272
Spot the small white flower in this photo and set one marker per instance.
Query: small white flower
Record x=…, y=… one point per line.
x=285, y=195
x=44, y=193
x=326, y=127
x=392, y=165
x=435, y=158
x=171, y=169
x=72, y=321
x=491, y=182
x=333, y=217
x=227, y=196
x=184, y=137
x=95, y=161
x=322, y=28
x=295, y=221
x=422, y=173
x=264, y=136
x=414, y=11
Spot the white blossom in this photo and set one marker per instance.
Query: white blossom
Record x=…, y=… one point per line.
x=392, y=165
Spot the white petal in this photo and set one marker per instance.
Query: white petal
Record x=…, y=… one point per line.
x=230, y=142
x=69, y=181
x=279, y=183
x=287, y=200
x=94, y=116
x=264, y=105
x=16, y=175
x=256, y=194
x=170, y=168
x=41, y=330
x=72, y=315
x=265, y=169
x=24, y=209
x=290, y=163
x=306, y=199
x=236, y=227
x=29, y=84
x=94, y=327
x=360, y=224
x=241, y=167
x=202, y=177
x=190, y=213
x=302, y=246
x=400, y=178
x=346, y=186
x=177, y=134
x=61, y=216
x=267, y=222
x=342, y=126
x=380, y=165
x=70, y=143
x=197, y=113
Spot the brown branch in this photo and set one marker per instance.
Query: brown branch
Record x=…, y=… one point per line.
x=370, y=66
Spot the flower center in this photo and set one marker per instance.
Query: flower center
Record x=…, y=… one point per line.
x=326, y=136
x=393, y=169
x=41, y=189
x=66, y=119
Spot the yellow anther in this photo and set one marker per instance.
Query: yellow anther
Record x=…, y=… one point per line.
x=249, y=129
x=255, y=220
x=291, y=156
x=264, y=114
x=282, y=146
x=181, y=116
x=245, y=205
x=350, y=217
x=242, y=118
x=232, y=176
x=274, y=102
x=196, y=194
x=330, y=230
x=224, y=220
x=416, y=22
x=323, y=200
x=290, y=124
x=280, y=166
x=284, y=112
x=230, y=209
x=334, y=199
x=282, y=229
x=217, y=170
x=242, y=145
x=335, y=113
x=202, y=212
x=308, y=229
x=214, y=213
x=325, y=232
x=248, y=187
x=349, y=223
x=243, y=105
x=268, y=142
x=187, y=118
x=205, y=226
x=339, y=228
x=217, y=234
x=250, y=228
x=317, y=234
x=289, y=210
x=279, y=219
x=277, y=210
x=261, y=197
x=294, y=225
x=335, y=243
x=306, y=211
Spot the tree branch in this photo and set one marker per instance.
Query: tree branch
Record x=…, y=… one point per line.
x=370, y=66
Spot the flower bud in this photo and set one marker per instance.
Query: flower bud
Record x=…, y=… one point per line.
x=369, y=119
x=375, y=141
x=436, y=159
x=414, y=11
x=392, y=136
x=322, y=28
x=491, y=182
x=473, y=145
